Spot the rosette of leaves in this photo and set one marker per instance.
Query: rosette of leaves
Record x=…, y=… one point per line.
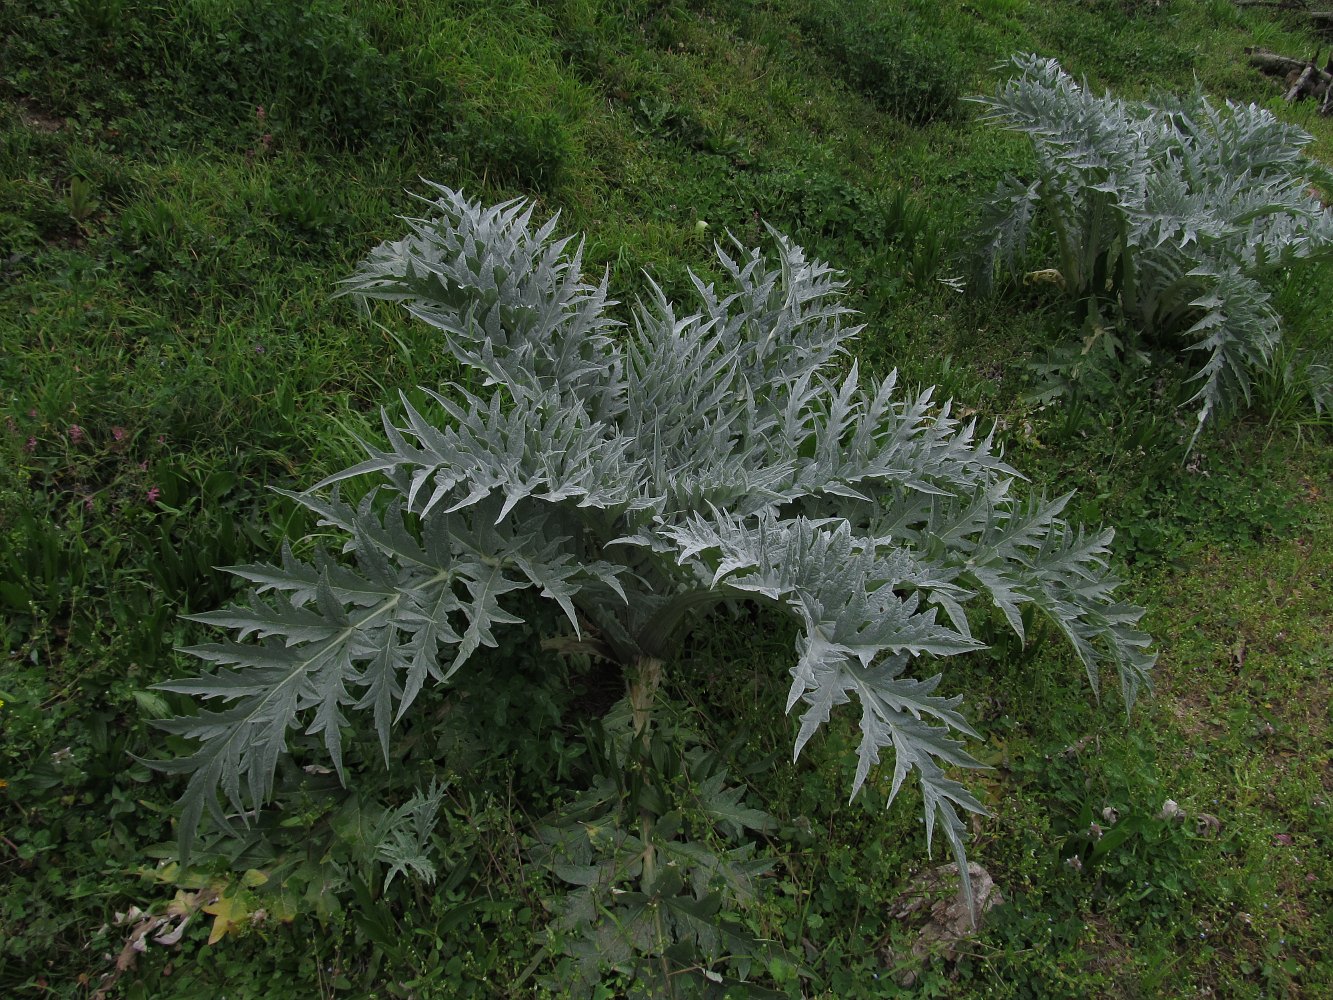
x=718, y=452
x=1167, y=217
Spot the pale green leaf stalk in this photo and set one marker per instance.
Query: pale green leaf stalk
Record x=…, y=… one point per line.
x=1167, y=215
x=717, y=451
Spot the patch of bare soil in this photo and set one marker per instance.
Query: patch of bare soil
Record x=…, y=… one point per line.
x=36, y=119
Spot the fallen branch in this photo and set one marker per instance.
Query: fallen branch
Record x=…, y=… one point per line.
x=1273, y=63
x=1303, y=78
x=1320, y=20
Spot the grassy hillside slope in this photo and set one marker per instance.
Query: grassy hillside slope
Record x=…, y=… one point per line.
x=183, y=184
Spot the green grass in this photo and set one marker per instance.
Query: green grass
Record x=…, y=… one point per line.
x=167, y=260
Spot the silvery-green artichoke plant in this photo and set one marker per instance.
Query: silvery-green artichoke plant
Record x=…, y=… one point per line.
x=1167, y=215
x=719, y=451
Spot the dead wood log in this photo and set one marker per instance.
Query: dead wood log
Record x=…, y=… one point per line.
x=1303, y=78
x=1273, y=63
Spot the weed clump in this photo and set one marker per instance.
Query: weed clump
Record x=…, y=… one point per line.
x=892, y=56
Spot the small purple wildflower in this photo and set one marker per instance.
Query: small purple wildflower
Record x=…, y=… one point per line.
x=119, y=433
x=153, y=494
x=31, y=446
x=75, y=433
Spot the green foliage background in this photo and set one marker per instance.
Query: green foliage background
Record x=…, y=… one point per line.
x=169, y=349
